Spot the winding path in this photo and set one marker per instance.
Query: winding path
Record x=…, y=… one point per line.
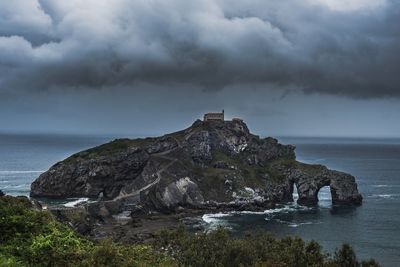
x=158, y=173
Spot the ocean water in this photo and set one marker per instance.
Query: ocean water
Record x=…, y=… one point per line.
x=24, y=157
x=373, y=229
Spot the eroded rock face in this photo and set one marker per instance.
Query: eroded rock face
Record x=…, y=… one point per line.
x=183, y=192
x=309, y=180
x=199, y=145
x=105, y=175
x=210, y=164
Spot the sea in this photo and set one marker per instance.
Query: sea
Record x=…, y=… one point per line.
x=373, y=229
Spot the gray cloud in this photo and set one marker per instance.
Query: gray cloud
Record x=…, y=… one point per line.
x=305, y=45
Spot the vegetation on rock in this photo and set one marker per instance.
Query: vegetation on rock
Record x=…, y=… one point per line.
x=220, y=248
x=30, y=237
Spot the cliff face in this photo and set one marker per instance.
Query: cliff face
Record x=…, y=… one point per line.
x=208, y=165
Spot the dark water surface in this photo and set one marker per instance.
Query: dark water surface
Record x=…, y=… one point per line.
x=373, y=229
x=24, y=157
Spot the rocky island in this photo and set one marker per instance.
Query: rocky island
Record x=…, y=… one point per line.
x=213, y=165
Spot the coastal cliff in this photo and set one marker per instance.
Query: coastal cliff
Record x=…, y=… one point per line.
x=210, y=165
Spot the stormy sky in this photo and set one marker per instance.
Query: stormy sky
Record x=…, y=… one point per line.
x=147, y=67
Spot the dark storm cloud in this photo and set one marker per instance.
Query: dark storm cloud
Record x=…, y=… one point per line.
x=351, y=50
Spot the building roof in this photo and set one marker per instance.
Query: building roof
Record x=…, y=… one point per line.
x=214, y=113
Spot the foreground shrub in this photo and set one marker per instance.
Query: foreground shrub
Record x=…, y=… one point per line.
x=34, y=238
x=220, y=248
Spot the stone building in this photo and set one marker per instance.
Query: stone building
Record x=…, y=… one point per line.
x=214, y=116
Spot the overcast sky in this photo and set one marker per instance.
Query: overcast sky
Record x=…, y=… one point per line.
x=147, y=67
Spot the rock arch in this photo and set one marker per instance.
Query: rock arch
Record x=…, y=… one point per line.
x=343, y=186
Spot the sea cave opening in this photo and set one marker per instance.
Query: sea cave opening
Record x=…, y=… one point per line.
x=295, y=193
x=324, y=197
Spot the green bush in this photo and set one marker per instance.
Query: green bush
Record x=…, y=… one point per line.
x=109, y=254
x=9, y=261
x=34, y=238
x=220, y=248
x=57, y=247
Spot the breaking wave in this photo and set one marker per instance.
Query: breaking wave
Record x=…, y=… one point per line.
x=75, y=202
x=214, y=217
x=214, y=220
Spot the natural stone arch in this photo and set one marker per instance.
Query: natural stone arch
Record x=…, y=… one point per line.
x=343, y=187
x=308, y=189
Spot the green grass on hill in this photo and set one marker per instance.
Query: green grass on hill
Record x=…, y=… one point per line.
x=115, y=146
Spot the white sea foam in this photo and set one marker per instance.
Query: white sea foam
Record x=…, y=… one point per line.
x=215, y=220
x=285, y=209
x=248, y=212
x=218, y=218
x=294, y=225
x=214, y=217
x=75, y=202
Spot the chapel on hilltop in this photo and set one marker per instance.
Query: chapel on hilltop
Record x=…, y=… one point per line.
x=214, y=116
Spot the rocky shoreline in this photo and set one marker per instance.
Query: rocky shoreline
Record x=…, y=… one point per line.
x=215, y=166
x=86, y=219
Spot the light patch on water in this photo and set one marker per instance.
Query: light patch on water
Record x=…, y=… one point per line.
x=386, y=185
x=294, y=225
x=19, y=172
x=297, y=224
x=11, y=187
x=385, y=196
